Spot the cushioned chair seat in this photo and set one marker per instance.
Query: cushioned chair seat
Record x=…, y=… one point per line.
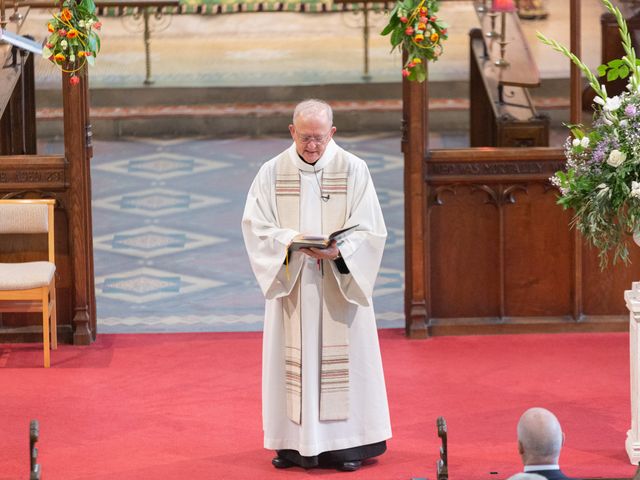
x=23, y=276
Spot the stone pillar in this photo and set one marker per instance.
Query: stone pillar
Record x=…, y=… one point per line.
x=632, y=298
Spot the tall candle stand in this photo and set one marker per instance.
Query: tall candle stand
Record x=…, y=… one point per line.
x=492, y=33
x=17, y=16
x=501, y=62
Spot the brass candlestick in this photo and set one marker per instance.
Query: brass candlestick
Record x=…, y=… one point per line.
x=17, y=16
x=501, y=62
x=482, y=7
x=492, y=33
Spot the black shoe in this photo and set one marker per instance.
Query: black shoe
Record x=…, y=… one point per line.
x=280, y=462
x=351, y=466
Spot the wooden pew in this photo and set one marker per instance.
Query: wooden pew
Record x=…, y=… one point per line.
x=501, y=111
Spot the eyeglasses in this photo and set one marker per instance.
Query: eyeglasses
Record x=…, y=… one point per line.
x=318, y=140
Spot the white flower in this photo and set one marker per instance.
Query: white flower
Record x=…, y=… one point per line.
x=612, y=104
x=616, y=158
x=584, y=142
x=599, y=100
x=624, y=123
x=576, y=142
x=635, y=189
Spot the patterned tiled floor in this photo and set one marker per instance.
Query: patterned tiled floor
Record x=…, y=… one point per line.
x=169, y=254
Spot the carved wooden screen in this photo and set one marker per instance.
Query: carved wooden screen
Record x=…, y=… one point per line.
x=66, y=178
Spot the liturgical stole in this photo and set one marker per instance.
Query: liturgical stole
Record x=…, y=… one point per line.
x=334, y=370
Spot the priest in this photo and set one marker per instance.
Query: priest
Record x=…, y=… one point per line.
x=324, y=400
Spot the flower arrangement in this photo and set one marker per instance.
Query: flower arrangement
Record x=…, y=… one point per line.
x=602, y=179
x=73, y=40
x=414, y=26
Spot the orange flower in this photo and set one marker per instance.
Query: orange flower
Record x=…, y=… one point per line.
x=434, y=37
x=72, y=33
x=422, y=26
x=50, y=28
x=59, y=57
x=419, y=37
x=81, y=53
x=417, y=60
x=66, y=14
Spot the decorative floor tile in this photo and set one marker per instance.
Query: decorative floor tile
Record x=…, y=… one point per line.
x=389, y=281
x=156, y=202
x=162, y=165
x=183, y=220
x=153, y=241
x=389, y=198
x=147, y=285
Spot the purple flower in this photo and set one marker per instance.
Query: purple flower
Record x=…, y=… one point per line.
x=630, y=110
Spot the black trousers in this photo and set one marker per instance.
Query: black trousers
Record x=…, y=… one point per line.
x=334, y=457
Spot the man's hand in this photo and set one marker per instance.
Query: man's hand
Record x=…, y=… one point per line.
x=330, y=253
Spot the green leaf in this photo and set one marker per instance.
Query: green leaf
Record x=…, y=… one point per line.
x=393, y=23
x=602, y=70
x=616, y=63
x=612, y=75
x=624, y=71
x=396, y=37
x=577, y=133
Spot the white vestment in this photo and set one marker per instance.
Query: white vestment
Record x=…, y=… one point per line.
x=368, y=418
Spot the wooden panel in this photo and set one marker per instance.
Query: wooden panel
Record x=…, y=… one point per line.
x=603, y=290
x=502, y=253
x=464, y=234
x=537, y=253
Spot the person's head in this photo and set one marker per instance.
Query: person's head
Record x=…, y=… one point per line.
x=312, y=128
x=526, y=476
x=540, y=437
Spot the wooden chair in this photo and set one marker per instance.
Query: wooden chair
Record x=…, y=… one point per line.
x=30, y=286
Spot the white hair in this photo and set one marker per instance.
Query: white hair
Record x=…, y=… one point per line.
x=540, y=434
x=313, y=107
x=526, y=476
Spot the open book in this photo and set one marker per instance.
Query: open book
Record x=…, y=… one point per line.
x=320, y=241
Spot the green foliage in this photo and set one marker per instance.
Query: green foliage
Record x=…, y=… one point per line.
x=601, y=183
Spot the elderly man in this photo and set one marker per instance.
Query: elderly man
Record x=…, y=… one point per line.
x=540, y=440
x=324, y=400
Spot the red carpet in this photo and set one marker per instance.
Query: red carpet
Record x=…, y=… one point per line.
x=187, y=406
